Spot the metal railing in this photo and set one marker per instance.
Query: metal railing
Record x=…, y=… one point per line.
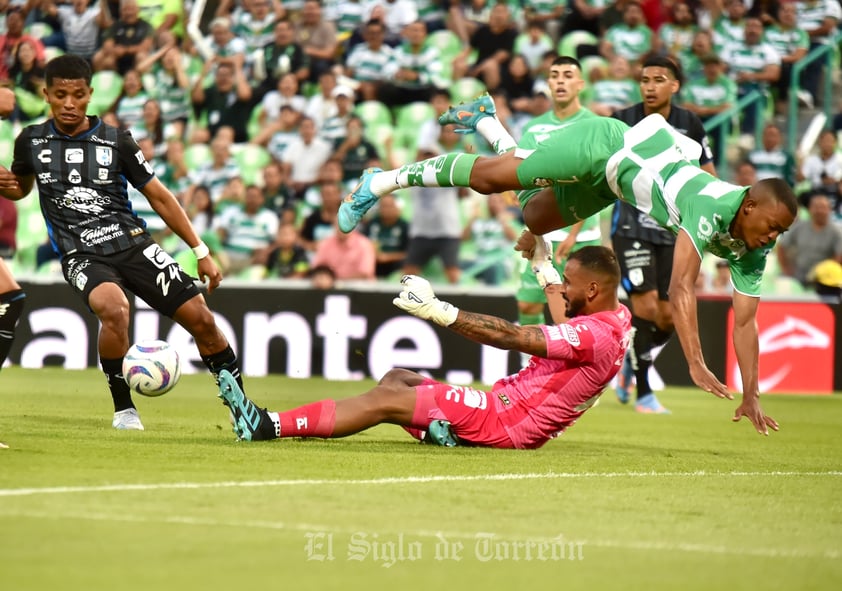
x=731, y=117
x=825, y=52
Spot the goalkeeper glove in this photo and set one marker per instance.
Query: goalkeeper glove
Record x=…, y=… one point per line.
x=418, y=298
x=542, y=263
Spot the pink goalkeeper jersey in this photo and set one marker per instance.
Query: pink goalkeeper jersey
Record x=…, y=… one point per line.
x=548, y=395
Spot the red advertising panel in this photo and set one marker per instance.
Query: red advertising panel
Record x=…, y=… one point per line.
x=796, y=348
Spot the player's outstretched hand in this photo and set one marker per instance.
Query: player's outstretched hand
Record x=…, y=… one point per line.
x=750, y=408
x=209, y=272
x=705, y=380
x=418, y=298
x=525, y=244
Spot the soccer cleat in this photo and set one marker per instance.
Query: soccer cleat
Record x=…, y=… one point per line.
x=3, y=445
x=127, y=420
x=440, y=433
x=649, y=404
x=358, y=201
x=469, y=114
x=250, y=422
x=625, y=379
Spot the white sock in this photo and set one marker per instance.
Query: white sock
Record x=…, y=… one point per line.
x=383, y=183
x=495, y=134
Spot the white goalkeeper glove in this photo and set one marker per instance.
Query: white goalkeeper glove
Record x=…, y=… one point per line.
x=542, y=263
x=418, y=298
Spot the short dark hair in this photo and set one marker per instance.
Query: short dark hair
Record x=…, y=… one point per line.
x=599, y=259
x=780, y=191
x=566, y=60
x=662, y=61
x=68, y=67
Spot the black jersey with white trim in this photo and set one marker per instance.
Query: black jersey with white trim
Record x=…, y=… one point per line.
x=82, y=186
x=626, y=220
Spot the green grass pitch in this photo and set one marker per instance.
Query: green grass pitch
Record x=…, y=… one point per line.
x=621, y=501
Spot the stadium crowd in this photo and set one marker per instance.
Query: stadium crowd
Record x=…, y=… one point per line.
x=260, y=116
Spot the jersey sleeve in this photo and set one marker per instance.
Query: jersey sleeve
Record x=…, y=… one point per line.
x=697, y=131
x=133, y=164
x=574, y=341
x=22, y=161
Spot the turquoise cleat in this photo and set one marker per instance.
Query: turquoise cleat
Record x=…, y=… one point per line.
x=250, y=422
x=624, y=380
x=649, y=404
x=469, y=114
x=358, y=201
x=440, y=433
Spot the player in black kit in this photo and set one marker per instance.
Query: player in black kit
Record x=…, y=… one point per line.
x=81, y=166
x=643, y=248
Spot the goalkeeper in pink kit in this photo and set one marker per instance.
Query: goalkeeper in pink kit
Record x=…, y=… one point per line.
x=573, y=362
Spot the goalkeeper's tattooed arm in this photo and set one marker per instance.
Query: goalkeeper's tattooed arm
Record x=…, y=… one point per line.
x=556, y=304
x=496, y=332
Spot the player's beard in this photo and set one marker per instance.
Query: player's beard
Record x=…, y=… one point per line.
x=574, y=307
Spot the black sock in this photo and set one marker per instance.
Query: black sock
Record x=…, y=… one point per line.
x=11, y=307
x=660, y=337
x=225, y=359
x=642, y=354
x=120, y=392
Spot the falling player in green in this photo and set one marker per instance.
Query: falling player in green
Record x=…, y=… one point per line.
x=584, y=167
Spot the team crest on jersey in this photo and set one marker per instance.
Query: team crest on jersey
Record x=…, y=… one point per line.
x=74, y=155
x=542, y=182
x=104, y=156
x=103, y=174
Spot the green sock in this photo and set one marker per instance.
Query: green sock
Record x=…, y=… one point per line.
x=448, y=170
x=530, y=319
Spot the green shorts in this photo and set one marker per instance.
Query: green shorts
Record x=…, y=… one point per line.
x=573, y=163
x=529, y=290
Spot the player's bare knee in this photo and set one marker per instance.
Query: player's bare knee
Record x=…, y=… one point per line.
x=396, y=377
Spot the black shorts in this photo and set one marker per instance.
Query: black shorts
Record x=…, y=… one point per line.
x=144, y=270
x=422, y=250
x=644, y=266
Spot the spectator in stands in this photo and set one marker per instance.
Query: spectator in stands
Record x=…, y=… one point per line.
x=277, y=136
x=224, y=45
x=129, y=105
x=335, y=128
x=218, y=172
x=691, y=62
x=771, y=159
x=823, y=170
x=287, y=259
x=745, y=173
x=709, y=95
x=151, y=125
x=317, y=37
x=304, y=157
x=583, y=15
x=415, y=71
x=518, y=84
x=545, y=15
x=200, y=209
x=491, y=228
x=493, y=43
x=826, y=279
x=631, y=39
x=350, y=256
x=282, y=56
x=80, y=23
x=394, y=14
x=429, y=131
x=247, y=231
x=819, y=18
x=389, y=233
x=26, y=75
x=370, y=63
x=754, y=65
x=355, y=152
x=255, y=23
x=125, y=42
x=165, y=16
x=719, y=283
x=322, y=105
x=321, y=222
x=808, y=242
x=322, y=277
x=729, y=27
x=171, y=87
x=277, y=195
x=676, y=37
x=174, y=173
x=12, y=38
x=791, y=43
x=287, y=93
x=618, y=91
x=226, y=102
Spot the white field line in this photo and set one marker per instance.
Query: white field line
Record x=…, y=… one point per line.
x=404, y=537
x=22, y=492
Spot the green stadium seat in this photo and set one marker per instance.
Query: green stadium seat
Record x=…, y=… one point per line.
x=466, y=89
x=195, y=155
x=569, y=44
x=409, y=120
x=107, y=87
x=251, y=159
x=379, y=134
x=373, y=113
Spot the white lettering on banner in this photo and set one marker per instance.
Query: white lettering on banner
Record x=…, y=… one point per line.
x=336, y=326
x=401, y=341
x=65, y=335
x=790, y=333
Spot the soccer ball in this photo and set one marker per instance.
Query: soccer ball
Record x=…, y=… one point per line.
x=151, y=368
